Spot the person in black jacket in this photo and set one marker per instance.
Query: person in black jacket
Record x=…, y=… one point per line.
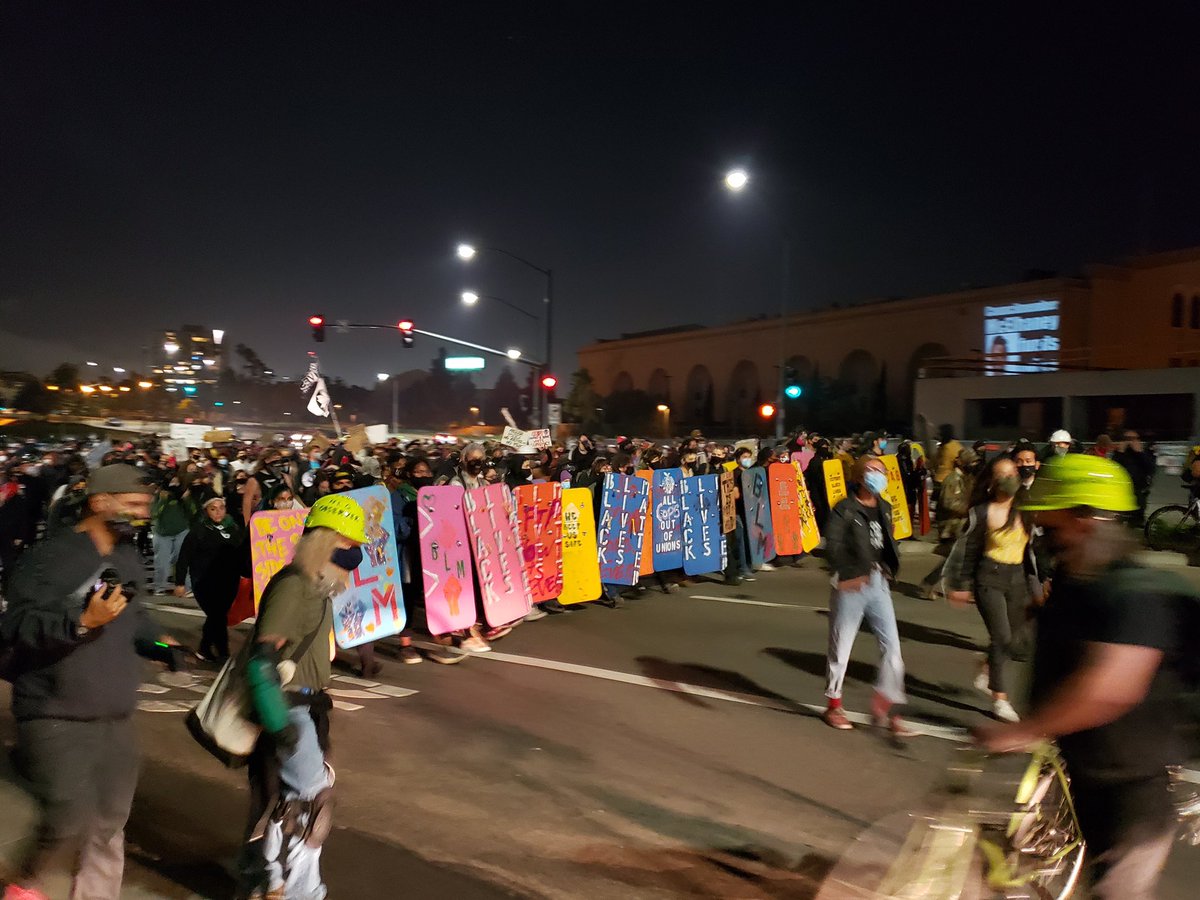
x=212, y=555
x=75, y=636
x=863, y=556
x=1139, y=461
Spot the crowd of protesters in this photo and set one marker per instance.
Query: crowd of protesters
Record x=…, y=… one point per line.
x=188, y=517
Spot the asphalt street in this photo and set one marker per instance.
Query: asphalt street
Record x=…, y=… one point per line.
x=669, y=748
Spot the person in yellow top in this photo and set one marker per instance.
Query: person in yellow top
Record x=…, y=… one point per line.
x=997, y=568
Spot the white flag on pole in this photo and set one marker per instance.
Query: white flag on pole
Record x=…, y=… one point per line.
x=319, y=403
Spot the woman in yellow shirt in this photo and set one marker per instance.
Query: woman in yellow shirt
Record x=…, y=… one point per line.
x=995, y=569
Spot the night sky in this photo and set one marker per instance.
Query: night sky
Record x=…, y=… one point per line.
x=244, y=165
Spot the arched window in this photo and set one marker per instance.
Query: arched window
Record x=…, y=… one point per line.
x=1196, y=311
x=1177, y=311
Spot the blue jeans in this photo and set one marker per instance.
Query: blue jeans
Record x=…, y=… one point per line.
x=847, y=609
x=166, y=554
x=302, y=775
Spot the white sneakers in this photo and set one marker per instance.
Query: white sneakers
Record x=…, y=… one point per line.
x=1003, y=710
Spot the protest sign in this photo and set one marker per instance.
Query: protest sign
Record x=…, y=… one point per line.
x=810, y=534
x=539, y=526
x=894, y=494
x=445, y=559
x=835, y=481
x=704, y=548
x=785, y=509
x=647, y=567
x=273, y=537
x=377, y=434
x=372, y=607
x=497, y=554
x=668, y=519
x=728, y=503
x=622, y=526
x=581, y=564
x=755, y=498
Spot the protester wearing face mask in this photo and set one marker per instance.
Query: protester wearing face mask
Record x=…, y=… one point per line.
x=996, y=569
x=170, y=520
x=212, y=557
x=469, y=474
x=289, y=776
x=270, y=475
x=863, y=557
x=954, y=503
x=76, y=640
x=1060, y=443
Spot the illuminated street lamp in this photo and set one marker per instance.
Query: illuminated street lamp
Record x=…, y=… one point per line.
x=384, y=376
x=467, y=252
x=170, y=348
x=470, y=298
x=666, y=416
x=118, y=370
x=736, y=179
x=86, y=389
x=514, y=353
x=145, y=385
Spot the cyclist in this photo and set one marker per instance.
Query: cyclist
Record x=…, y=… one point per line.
x=1111, y=648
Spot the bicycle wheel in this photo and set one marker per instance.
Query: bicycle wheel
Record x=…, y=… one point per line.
x=1173, y=528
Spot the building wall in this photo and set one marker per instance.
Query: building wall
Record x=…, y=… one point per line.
x=951, y=400
x=1116, y=317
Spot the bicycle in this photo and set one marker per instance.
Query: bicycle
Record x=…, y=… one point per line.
x=1175, y=527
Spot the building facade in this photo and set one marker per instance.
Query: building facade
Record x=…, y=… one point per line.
x=189, y=357
x=1141, y=314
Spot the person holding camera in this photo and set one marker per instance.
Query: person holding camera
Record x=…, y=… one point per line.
x=74, y=629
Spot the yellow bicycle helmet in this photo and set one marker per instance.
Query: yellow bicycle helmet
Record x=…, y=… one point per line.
x=1078, y=479
x=339, y=513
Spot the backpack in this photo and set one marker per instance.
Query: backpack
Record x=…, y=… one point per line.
x=224, y=722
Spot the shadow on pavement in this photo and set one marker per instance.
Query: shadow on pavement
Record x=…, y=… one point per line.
x=184, y=828
x=814, y=664
x=717, y=859
x=704, y=676
x=924, y=634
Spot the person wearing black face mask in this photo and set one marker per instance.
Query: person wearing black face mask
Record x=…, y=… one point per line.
x=75, y=635
x=469, y=474
x=290, y=779
x=997, y=568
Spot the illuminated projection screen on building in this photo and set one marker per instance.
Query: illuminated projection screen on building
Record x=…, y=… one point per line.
x=1021, y=337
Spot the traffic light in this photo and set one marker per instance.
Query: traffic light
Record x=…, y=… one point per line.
x=767, y=410
x=406, y=332
x=792, y=389
x=318, y=328
x=549, y=382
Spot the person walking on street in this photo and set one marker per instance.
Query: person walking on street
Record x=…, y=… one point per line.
x=996, y=570
x=863, y=557
x=954, y=502
x=1113, y=646
x=290, y=779
x=75, y=634
x=170, y=521
x=212, y=557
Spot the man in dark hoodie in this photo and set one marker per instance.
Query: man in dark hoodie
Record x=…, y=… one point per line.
x=75, y=637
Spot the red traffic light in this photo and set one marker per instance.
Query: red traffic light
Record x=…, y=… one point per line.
x=405, y=325
x=766, y=410
x=549, y=382
x=318, y=328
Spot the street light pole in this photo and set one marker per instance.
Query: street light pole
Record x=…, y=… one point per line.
x=467, y=252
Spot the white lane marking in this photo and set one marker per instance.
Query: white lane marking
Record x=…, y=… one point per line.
x=758, y=603
x=958, y=735
x=347, y=707
x=388, y=690
x=164, y=607
x=357, y=682
x=153, y=689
